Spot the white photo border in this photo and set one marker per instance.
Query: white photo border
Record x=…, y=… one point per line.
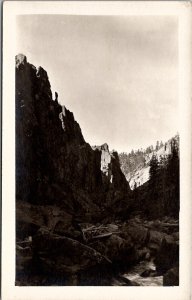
x=181, y=9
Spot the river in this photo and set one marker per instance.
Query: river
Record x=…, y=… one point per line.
x=134, y=274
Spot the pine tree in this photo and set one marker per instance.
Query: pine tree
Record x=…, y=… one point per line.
x=157, y=146
x=172, y=180
x=155, y=202
x=154, y=167
x=161, y=145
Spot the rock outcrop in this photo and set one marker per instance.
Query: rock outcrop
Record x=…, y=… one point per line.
x=171, y=278
x=54, y=164
x=164, y=262
x=62, y=256
x=136, y=165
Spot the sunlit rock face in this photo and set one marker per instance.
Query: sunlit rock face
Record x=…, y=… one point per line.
x=140, y=174
x=54, y=164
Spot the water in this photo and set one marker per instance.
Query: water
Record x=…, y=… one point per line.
x=134, y=275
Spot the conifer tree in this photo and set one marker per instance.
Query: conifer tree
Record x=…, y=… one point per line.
x=172, y=180
x=154, y=167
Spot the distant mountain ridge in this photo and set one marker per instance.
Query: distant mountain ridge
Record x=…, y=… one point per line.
x=135, y=165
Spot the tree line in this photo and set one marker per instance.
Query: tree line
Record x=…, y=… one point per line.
x=130, y=161
x=164, y=184
x=160, y=196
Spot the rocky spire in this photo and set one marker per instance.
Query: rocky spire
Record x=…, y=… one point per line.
x=20, y=59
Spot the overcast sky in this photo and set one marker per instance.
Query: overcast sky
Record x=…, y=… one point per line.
x=117, y=74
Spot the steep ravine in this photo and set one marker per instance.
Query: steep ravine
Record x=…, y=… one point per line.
x=72, y=201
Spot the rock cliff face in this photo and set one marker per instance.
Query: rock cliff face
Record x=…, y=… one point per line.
x=140, y=173
x=54, y=164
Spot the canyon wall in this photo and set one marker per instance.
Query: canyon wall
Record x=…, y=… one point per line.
x=54, y=164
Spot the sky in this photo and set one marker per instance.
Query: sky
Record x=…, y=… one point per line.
x=117, y=74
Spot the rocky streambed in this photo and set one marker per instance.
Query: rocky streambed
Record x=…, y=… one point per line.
x=54, y=249
x=137, y=274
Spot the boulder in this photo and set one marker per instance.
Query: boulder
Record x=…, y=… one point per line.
x=156, y=237
x=24, y=257
x=30, y=218
x=117, y=249
x=64, y=256
x=138, y=234
x=144, y=253
x=171, y=277
x=168, y=255
x=155, y=241
x=24, y=262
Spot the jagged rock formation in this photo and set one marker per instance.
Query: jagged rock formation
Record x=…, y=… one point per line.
x=54, y=164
